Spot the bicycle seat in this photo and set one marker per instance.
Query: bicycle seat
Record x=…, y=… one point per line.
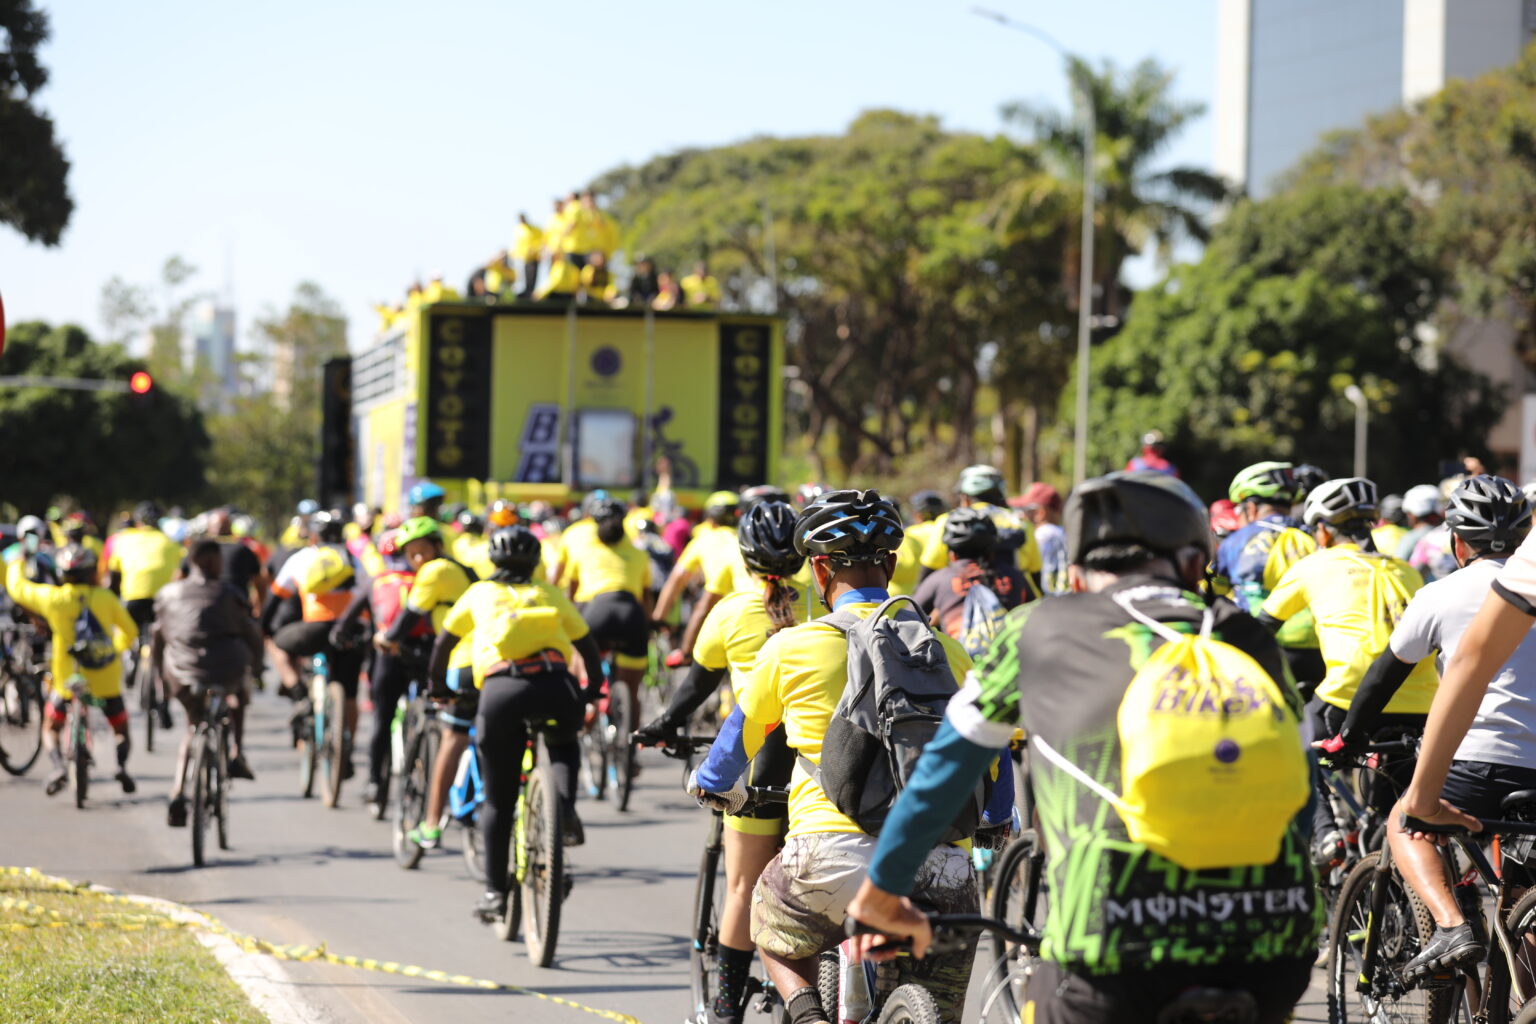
x=1519, y=800
x=1210, y=1006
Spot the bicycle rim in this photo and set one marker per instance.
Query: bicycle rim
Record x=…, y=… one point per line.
x=909, y=1004
x=621, y=720
x=221, y=788
x=411, y=800
x=544, y=878
x=1503, y=1003
x=474, y=861
x=80, y=755
x=335, y=742
x=703, y=955
x=1404, y=925
x=594, y=761
x=200, y=795
x=21, y=722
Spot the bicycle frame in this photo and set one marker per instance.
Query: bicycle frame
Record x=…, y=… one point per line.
x=468, y=791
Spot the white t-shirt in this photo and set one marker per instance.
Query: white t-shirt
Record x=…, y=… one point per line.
x=1504, y=731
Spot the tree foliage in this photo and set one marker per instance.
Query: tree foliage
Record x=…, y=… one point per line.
x=1245, y=355
x=34, y=194
x=103, y=449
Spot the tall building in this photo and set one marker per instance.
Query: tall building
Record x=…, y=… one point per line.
x=1288, y=71
x=213, y=350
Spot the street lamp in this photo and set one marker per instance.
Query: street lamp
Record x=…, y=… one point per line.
x=1355, y=395
x=1085, y=273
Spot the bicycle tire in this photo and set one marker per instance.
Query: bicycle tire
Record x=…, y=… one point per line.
x=1405, y=926
x=221, y=790
x=703, y=954
x=1018, y=896
x=909, y=1004
x=411, y=800
x=21, y=721
x=147, y=700
x=544, y=879
x=1520, y=921
x=80, y=752
x=507, y=924
x=200, y=797
x=335, y=740
x=828, y=981
x=474, y=854
x=1527, y=1014
x=594, y=759
x=622, y=722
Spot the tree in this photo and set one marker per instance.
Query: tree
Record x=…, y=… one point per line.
x=104, y=449
x=126, y=309
x=34, y=194
x=1245, y=356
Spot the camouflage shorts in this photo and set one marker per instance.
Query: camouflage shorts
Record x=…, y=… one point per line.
x=801, y=902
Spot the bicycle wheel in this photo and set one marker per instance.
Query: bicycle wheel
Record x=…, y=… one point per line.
x=1405, y=925
x=221, y=787
x=909, y=1004
x=621, y=716
x=594, y=759
x=334, y=754
x=1503, y=1004
x=544, y=879
x=148, y=699
x=704, y=954
x=1527, y=1014
x=80, y=754
x=309, y=757
x=474, y=854
x=829, y=981
x=1018, y=896
x=411, y=801
x=21, y=721
x=202, y=796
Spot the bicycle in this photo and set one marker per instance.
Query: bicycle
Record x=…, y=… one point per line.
x=77, y=749
x=464, y=799
x=21, y=700
x=420, y=741
x=154, y=701
x=208, y=762
x=324, y=744
x=704, y=951
x=609, y=757
x=1498, y=991
x=537, y=881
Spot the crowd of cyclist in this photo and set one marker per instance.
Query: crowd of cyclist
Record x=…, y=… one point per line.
x=1354, y=617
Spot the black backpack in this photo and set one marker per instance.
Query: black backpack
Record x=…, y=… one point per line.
x=899, y=684
x=93, y=646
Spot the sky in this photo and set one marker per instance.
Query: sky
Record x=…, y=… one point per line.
x=360, y=144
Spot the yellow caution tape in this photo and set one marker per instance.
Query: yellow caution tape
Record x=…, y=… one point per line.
x=49, y=918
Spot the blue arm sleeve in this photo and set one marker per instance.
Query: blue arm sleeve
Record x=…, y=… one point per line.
x=727, y=758
x=949, y=769
x=1000, y=808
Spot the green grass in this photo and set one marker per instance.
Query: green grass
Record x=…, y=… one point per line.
x=77, y=974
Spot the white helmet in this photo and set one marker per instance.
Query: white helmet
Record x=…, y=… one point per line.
x=1345, y=500
x=1529, y=490
x=1423, y=500
x=32, y=525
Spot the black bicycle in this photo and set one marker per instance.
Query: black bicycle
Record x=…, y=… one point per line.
x=21, y=698
x=208, y=761
x=420, y=739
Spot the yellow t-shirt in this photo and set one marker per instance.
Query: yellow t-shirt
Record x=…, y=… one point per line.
x=596, y=568
x=438, y=585
x=936, y=555
x=508, y=621
x=475, y=552
x=1355, y=613
x=564, y=279
x=59, y=606
x=727, y=573
x=527, y=242
x=1388, y=536
x=700, y=291
x=147, y=560
x=691, y=560
x=795, y=684
x=908, y=561
x=734, y=632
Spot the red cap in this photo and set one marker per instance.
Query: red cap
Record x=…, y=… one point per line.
x=1042, y=495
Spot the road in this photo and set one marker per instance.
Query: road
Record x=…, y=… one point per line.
x=299, y=873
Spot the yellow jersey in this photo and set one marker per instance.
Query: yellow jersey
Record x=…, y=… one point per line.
x=146, y=559
x=736, y=629
x=909, y=560
x=474, y=551
x=597, y=568
x=527, y=243
x=59, y=606
x=700, y=292
x=795, y=684
x=936, y=555
x=507, y=621
x=1356, y=598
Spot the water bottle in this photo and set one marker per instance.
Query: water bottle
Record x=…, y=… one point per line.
x=854, y=1002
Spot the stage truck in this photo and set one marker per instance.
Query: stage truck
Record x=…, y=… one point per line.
x=529, y=402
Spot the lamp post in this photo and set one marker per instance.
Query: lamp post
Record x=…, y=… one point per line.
x=1355, y=395
x=1085, y=272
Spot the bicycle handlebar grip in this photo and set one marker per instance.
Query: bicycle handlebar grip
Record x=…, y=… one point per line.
x=1415, y=825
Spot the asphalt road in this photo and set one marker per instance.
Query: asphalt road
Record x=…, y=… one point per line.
x=299, y=873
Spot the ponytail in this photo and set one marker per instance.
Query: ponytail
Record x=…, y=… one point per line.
x=779, y=602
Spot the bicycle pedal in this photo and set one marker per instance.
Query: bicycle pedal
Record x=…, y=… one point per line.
x=1439, y=979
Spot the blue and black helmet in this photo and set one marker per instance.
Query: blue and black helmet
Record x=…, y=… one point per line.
x=424, y=492
x=849, y=527
x=767, y=539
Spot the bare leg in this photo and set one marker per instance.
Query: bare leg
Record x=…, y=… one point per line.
x=448, y=755
x=790, y=976
x=1424, y=871
x=745, y=857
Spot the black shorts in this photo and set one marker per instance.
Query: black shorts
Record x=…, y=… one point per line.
x=1059, y=996
x=772, y=765
x=1479, y=787
x=618, y=623
x=307, y=639
x=142, y=611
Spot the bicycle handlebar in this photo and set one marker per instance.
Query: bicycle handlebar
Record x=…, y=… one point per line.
x=681, y=747
x=765, y=796
x=1491, y=827
x=951, y=933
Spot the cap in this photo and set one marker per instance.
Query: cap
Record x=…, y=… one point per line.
x=1041, y=495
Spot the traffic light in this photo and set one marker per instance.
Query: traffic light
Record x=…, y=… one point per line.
x=140, y=383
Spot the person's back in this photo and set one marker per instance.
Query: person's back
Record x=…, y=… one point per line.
x=209, y=635
x=146, y=559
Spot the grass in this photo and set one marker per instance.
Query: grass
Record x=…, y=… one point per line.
x=109, y=975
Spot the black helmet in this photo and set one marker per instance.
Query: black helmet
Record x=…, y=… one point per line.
x=928, y=504
x=606, y=508
x=763, y=492
x=146, y=513
x=1489, y=513
x=515, y=549
x=470, y=522
x=849, y=527
x=969, y=533
x=77, y=560
x=1308, y=478
x=767, y=539
x=1143, y=507
x=328, y=525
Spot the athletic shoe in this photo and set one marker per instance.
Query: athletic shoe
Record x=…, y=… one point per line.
x=491, y=908
x=239, y=769
x=126, y=781
x=176, y=813
x=1328, y=849
x=56, y=782
x=425, y=836
x=575, y=834
x=1448, y=948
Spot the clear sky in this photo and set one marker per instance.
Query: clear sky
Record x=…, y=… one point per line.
x=358, y=143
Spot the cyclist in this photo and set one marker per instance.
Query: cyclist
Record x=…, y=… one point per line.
x=927, y=507
x=729, y=641
x=981, y=487
x=37, y=550
x=1127, y=930
x=205, y=639
x=522, y=633
x=471, y=548
x=77, y=528
x=359, y=537
x=323, y=577
x=971, y=537
x=241, y=565
x=439, y=582
x=426, y=499
x=143, y=560
x=712, y=558
x=61, y=606
x=1355, y=594
x=1390, y=531
x=799, y=903
x=608, y=577
x=1488, y=518
x=1042, y=507
x=1308, y=479
x=1424, y=511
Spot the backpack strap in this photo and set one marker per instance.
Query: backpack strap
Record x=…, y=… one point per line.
x=1162, y=629
x=1037, y=742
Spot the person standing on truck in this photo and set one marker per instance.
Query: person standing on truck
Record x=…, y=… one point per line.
x=527, y=248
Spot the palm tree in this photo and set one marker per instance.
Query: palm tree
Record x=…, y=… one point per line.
x=1134, y=206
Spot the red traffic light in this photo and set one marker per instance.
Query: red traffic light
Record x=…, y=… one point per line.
x=140, y=383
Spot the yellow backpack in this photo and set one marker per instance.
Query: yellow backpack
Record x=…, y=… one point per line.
x=1212, y=765
x=327, y=571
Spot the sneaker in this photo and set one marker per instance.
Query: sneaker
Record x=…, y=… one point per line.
x=712, y=1013
x=425, y=836
x=371, y=792
x=492, y=907
x=239, y=769
x=176, y=813
x=575, y=835
x=164, y=711
x=126, y=781
x=347, y=770
x=293, y=692
x=1328, y=849
x=56, y=782
x=1447, y=949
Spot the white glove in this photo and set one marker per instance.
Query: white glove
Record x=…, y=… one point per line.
x=730, y=802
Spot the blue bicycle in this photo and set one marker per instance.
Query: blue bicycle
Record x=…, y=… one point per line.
x=321, y=735
x=464, y=799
